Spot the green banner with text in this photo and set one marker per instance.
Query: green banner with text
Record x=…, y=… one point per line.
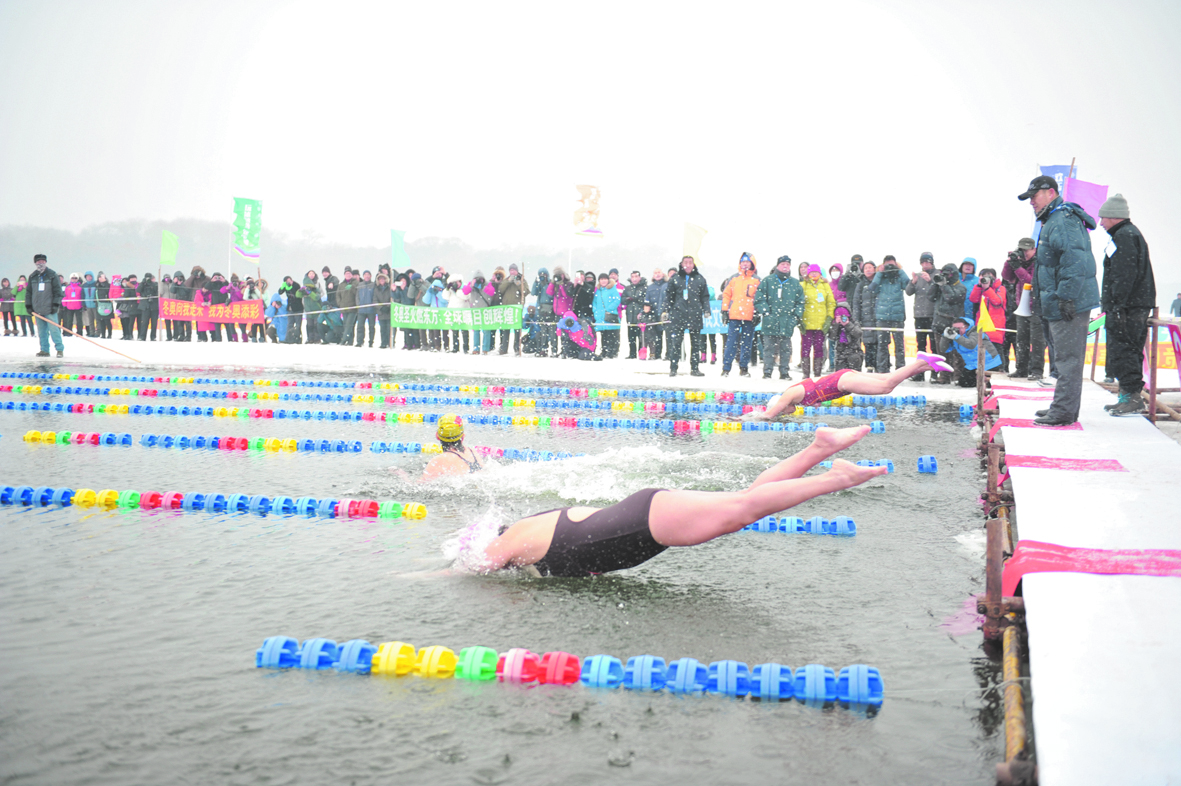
x=491, y=318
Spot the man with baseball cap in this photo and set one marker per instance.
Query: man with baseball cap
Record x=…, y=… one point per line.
x=43, y=297
x=1065, y=290
x=924, y=307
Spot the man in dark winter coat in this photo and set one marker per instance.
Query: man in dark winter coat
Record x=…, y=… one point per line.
x=294, y=311
x=1129, y=295
x=367, y=313
x=655, y=307
x=862, y=302
x=890, y=312
x=43, y=297
x=780, y=302
x=924, y=309
x=1065, y=290
x=149, y=306
x=948, y=295
x=632, y=299
x=687, y=301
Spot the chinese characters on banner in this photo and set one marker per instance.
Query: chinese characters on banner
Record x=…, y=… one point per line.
x=586, y=217
x=242, y=312
x=247, y=228
x=491, y=318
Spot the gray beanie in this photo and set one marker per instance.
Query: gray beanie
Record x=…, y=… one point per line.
x=1115, y=207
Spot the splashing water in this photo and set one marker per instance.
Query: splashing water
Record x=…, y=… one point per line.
x=466, y=547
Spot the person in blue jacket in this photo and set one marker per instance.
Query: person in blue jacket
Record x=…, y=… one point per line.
x=276, y=312
x=606, y=307
x=964, y=342
x=1065, y=289
x=889, y=285
x=969, y=279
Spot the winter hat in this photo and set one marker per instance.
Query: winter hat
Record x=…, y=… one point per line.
x=1115, y=207
x=514, y=269
x=1026, y=243
x=857, y=258
x=839, y=268
x=926, y=256
x=75, y=276
x=815, y=269
x=436, y=269
x=949, y=269
x=782, y=259
x=40, y=258
x=837, y=311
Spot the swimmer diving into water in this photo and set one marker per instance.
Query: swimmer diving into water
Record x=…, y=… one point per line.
x=584, y=541
x=809, y=393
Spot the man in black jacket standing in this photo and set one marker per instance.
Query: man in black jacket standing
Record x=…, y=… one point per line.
x=1129, y=294
x=43, y=297
x=687, y=301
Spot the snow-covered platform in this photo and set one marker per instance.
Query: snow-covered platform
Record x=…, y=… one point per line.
x=1104, y=650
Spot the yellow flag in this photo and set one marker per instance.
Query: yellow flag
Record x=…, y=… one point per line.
x=985, y=325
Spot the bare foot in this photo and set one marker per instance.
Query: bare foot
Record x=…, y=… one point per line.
x=850, y=475
x=834, y=440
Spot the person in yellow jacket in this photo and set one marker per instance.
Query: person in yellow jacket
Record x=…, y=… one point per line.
x=818, y=309
x=738, y=312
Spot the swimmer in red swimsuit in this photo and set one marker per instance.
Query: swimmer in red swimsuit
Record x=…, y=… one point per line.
x=808, y=393
x=586, y=541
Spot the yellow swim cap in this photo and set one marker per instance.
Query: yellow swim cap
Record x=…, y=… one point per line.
x=450, y=428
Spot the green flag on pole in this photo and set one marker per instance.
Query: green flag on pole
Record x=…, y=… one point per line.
x=247, y=228
x=169, y=245
x=401, y=260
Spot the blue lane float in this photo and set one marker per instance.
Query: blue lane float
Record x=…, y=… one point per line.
x=853, y=685
x=928, y=465
x=842, y=526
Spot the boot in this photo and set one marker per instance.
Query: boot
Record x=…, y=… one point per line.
x=1132, y=405
x=713, y=358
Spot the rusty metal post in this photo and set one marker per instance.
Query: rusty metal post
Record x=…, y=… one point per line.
x=1014, y=701
x=994, y=473
x=993, y=573
x=981, y=374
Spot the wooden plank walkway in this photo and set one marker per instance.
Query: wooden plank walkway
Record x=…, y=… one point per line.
x=1105, y=651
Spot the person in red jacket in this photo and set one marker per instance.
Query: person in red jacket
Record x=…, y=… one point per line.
x=990, y=293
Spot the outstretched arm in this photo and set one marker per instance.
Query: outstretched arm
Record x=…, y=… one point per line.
x=787, y=399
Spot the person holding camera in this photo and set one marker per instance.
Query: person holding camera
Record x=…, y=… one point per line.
x=1030, y=343
x=845, y=335
x=924, y=309
x=511, y=290
x=963, y=342
x=989, y=293
x=889, y=284
x=480, y=293
x=862, y=303
x=561, y=289
x=546, y=338
x=948, y=295
x=1066, y=289
x=656, y=313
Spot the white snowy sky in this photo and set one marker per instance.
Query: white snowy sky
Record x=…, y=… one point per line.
x=814, y=129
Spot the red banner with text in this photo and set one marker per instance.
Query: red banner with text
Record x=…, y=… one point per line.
x=244, y=311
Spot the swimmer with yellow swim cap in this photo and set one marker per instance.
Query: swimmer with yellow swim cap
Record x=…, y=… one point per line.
x=455, y=459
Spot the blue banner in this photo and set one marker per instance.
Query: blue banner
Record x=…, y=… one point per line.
x=1059, y=173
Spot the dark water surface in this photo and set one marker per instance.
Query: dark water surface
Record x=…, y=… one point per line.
x=128, y=637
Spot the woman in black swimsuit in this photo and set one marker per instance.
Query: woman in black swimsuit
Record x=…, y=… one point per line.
x=586, y=541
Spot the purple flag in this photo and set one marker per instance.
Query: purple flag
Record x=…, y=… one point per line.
x=1089, y=196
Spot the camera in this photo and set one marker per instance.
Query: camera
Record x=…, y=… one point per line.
x=855, y=268
x=985, y=282
x=939, y=278
x=1016, y=257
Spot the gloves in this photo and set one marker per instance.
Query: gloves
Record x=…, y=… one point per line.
x=1066, y=307
x=757, y=320
x=725, y=317
x=827, y=324
x=950, y=334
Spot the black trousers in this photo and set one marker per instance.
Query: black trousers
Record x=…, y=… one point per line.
x=383, y=327
x=696, y=342
x=1031, y=346
x=504, y=341
x=634, y=340
x=921, y=339
x=147, y=325
x=1127, y=330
